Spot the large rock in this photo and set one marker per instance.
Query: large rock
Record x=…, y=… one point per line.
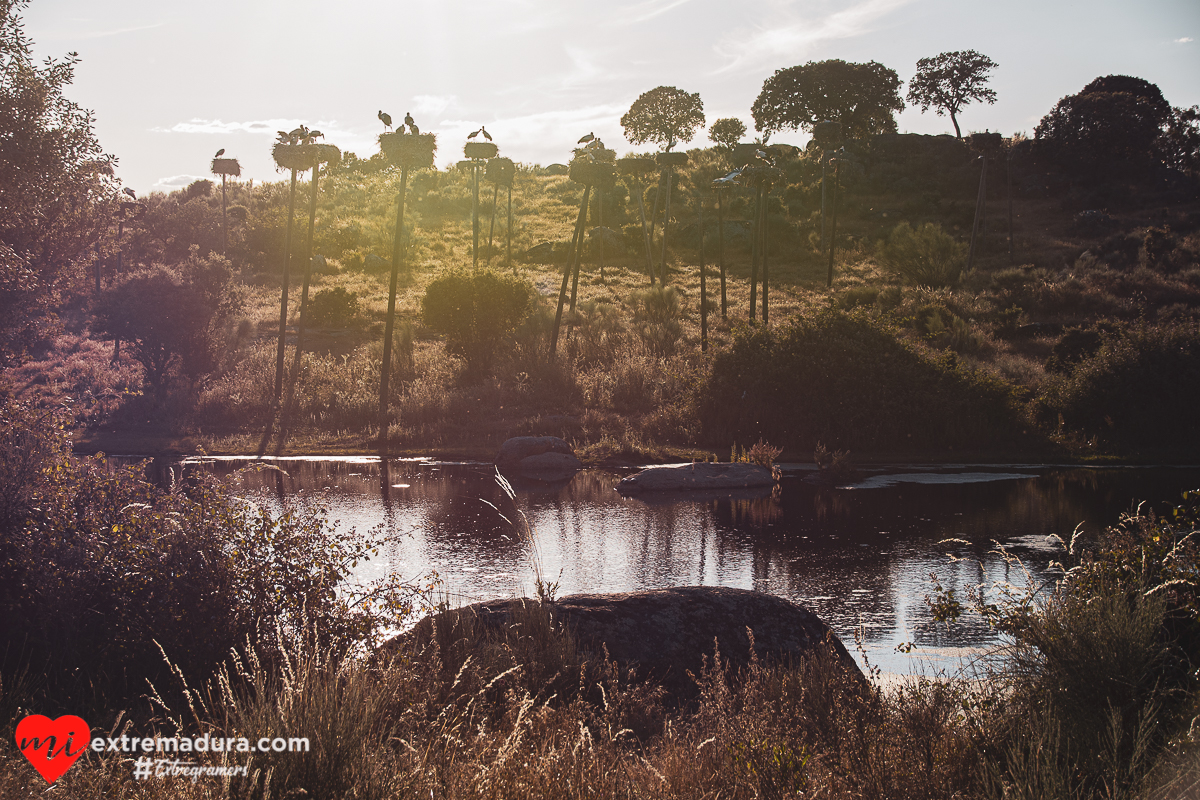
x=537, y=455
x=665, y=633
x=697, y=477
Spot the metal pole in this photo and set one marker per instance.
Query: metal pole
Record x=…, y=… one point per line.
x=224, y=219
x=1008, y=180
x=508, y=229
x=579, y=248
x=763, y=255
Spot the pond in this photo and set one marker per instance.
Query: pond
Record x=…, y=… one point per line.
x=859, y=556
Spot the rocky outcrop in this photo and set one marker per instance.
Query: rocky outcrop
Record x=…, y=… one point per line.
x=697, y=477
x=665, y=633
x=537, y=456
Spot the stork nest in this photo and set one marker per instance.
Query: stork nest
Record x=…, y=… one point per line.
x=592, y=173
x=636, y=166
x=226, y=166
x=500, y=171
x=480, y=150
x=329, y=154
x=988, y=144
x=408, y=151
x=299, y=157
x=671, y=159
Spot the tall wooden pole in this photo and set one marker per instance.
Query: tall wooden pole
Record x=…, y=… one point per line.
x=833, y=228
x=283, y=297
x=562, y=292
x=385, y=369
x=979, y=210
x=762, y=232
x=703, y=285
x=600, y=224
x=580, y=239
x=508, y=231
x=492, y=228
x=662, y=268
x=475, y=214
x=721, y=249
x=312, y=223
x=645, y=230
x=754, y=251
x=1008, y=180
x=224, y=218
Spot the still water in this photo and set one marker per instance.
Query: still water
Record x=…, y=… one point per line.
x=860, y=556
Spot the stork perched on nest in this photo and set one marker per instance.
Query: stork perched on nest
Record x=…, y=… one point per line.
x=220, y=153
x=411, y=123
x=385, y=118
x=586, y=139
x=764, y=157
x=130, y=192
x=482, y=130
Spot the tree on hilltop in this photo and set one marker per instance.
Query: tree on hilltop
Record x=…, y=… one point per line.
x=949, y=81
x=664, y=115
x=862, y=97
x=727, y=132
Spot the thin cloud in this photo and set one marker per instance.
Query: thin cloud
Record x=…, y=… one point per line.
x=768, y=42
x=174, y=182
x=1184, y=40
x=270, y=127
x=631, y=15
x=433, y=105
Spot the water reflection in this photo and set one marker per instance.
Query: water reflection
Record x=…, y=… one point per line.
x=859, y=557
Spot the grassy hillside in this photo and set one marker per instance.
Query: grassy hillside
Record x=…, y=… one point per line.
x=1102, y=278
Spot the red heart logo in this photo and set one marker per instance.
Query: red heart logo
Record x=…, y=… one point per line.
x=52, y=745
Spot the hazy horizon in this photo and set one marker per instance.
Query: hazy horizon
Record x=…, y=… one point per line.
x=540, y=74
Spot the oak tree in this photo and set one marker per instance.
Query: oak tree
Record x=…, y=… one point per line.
x=727, y=132
x=57, y=189
x=664, y=115
x=862, y=97
x=949, y=81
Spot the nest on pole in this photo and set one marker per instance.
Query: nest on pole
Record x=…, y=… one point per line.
x=409, y=151
x=671, y=159
x=592, y=173
x=987, y=144
x=480, y=150
x=226, y=166
x=329, y=154
x=299, y=157
x=743, y=154
x=636, y=166
x=500, y=171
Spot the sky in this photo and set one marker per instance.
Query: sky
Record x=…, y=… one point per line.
x=170, y=83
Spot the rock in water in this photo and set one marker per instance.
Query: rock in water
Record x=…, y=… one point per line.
x=697, y=477
x=665, y=633
x=538, y=456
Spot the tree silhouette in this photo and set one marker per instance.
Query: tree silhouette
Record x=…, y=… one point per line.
x=727, y=132
x=860, y=96
x=1094, y=131
x=949, y=81
x=58, y=194
x=664, y=115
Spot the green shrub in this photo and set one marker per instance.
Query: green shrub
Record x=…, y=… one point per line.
x=477, y=311
x=1137, y=391
x=848, y=380
x=100, y=568
x=333, y=308
x=926, y=256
